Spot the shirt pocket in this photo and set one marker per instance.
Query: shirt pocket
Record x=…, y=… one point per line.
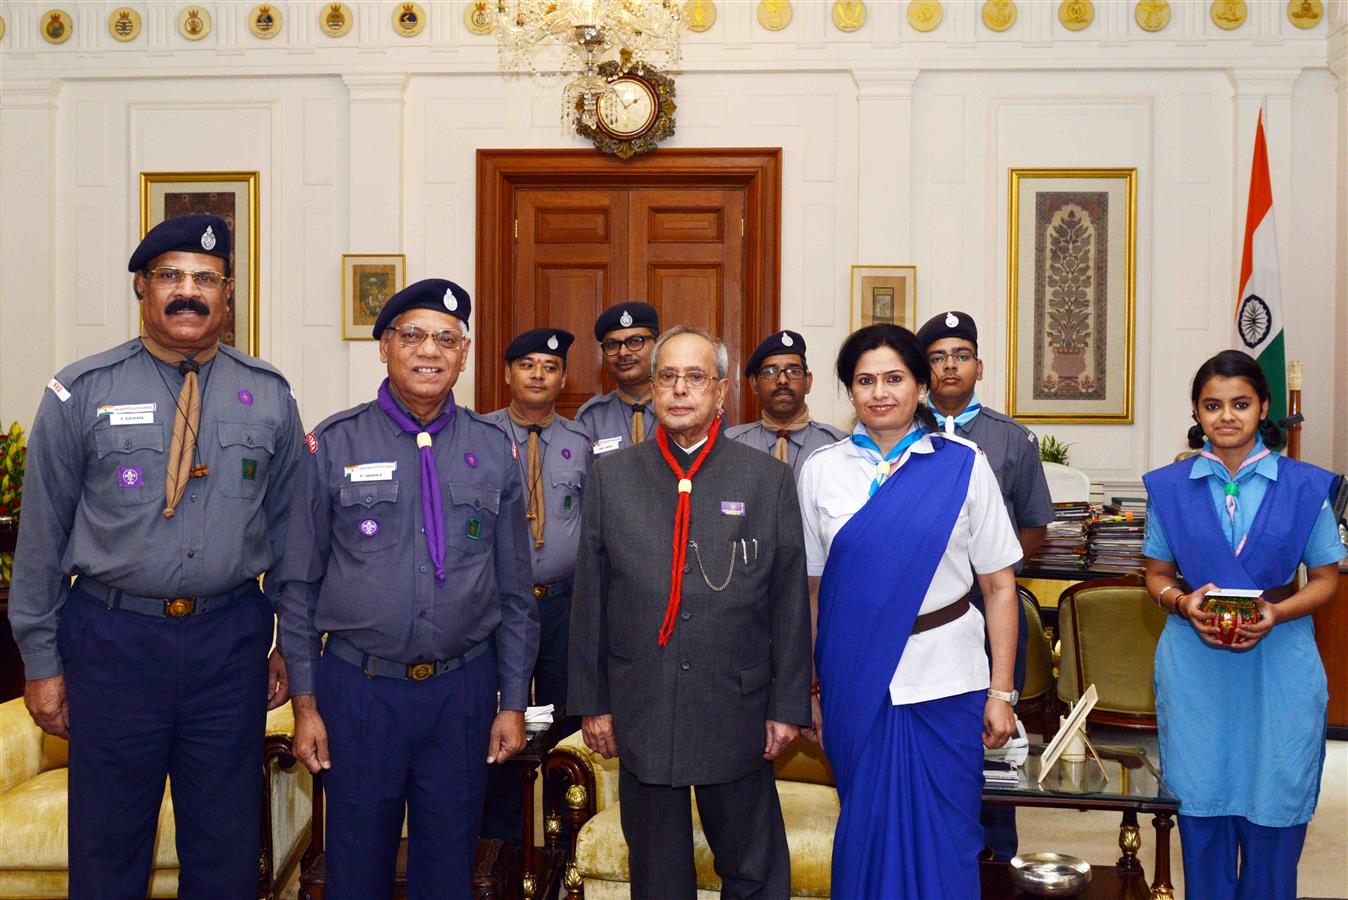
x=369, y=518
x=567, y=486
x=470, y=522
x=246, y=450
x=132, y=461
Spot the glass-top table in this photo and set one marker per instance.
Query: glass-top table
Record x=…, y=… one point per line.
x=1130, y=783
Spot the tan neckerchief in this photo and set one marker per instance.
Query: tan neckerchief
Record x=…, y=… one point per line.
x=534, y=466
x=638, y=415
x=801, y=420
x=186, y=420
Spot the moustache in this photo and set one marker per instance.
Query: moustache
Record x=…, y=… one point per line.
x=187, y=305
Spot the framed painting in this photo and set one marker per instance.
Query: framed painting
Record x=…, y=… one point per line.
x=233, y=196
x=884, y=294
x=1072, y=274
x=368, y=281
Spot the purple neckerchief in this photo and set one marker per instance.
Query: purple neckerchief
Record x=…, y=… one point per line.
x=430, y=479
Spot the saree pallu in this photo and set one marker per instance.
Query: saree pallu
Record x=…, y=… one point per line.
x=909, y=777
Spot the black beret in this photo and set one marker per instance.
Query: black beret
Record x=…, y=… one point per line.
x=552, y=341
x=632, y=314
x=773, y=345
x=189, y=234
x=954, y=324
x=438, y=294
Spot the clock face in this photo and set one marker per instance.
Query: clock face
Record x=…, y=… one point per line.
x=630, y=111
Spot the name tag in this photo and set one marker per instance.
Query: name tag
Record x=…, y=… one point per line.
x=606, y=445
x=380, y=471
x=732, y=507
x=129, y=413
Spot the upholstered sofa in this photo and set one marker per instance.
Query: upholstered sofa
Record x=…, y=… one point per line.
x=33, y=811
x=581, y=791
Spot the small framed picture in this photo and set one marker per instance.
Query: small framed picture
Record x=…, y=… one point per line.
x=368, y=281
x=884, y=294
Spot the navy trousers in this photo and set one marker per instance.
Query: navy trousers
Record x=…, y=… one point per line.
x=502, y=817
x=418, y=746
x=155, y=697
x=1231, y=858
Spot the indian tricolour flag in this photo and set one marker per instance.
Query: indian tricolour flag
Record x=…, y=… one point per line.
x=1259, y=305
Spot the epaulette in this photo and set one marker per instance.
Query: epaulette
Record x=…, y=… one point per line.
x=574, y=427
x=830, y=430
x=593, y=401
x=1003, y=417
x=486, y=419
x=339, y=417
x=252, y=362
x=735, y=431
x=122, y=352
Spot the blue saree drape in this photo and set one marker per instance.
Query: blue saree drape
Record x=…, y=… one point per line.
x=909, y=777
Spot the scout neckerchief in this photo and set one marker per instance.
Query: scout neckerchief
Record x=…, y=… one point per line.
x=534, y=465
x=683, y=515
x=962, y=420
x=800, y=421
x=884, y=465
x=638, y=415
x=1232, y=489
x=430, y=479
x=186, y=419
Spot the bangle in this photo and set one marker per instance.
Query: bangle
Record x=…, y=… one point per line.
x=814, y=688
x=1161, y=596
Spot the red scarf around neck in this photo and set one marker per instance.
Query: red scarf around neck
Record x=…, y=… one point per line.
x=683, y=515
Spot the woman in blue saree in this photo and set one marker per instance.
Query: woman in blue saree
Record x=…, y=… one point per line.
x=1242, y=726
x=898, y=519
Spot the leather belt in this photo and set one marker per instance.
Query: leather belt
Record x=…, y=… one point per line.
x=556, y=588
x=161, y=607
x=1279, y=594
x=378, y=667
x=943, y=616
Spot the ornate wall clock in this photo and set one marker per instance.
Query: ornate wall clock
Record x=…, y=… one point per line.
x=637, y=116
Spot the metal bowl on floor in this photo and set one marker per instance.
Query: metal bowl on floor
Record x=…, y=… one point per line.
x=1050, y=874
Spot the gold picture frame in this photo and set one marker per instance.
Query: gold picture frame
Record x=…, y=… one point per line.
x=234, y=197
x=368, y=281
x=1072, y=257
x=883, y=294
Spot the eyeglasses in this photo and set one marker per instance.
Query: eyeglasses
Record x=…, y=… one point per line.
x=696, y=379
x=939, y=359
x=792, y=373
x=634, y=343
x=414, y=336
x=168, y=276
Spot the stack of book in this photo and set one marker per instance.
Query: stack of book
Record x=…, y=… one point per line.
x=1064, y=546
x=1116, y=536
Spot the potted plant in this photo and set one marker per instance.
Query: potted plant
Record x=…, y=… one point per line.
x=1052, y=450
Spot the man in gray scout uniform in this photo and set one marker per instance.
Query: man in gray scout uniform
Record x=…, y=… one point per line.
x=552, y=454
x=626, y=333
x=951, y=342
x=408, y=548
x=159, y=473
x=782, y=379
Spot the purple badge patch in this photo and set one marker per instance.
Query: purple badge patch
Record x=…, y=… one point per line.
x=246, y=398
x=471, y=459
x=129, y=477
x=369, y=527
x=566, y=453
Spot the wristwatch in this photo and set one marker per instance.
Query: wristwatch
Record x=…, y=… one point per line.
x=1009, y=696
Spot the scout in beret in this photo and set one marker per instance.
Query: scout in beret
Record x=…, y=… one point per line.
x=781, y=378
x=552, y=455
x=438, y=294
x=950, y=340
x=626, y=334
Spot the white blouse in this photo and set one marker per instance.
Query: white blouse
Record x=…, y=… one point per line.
x=835, y=483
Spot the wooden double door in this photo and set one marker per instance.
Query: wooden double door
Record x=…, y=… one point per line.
x=696, y=237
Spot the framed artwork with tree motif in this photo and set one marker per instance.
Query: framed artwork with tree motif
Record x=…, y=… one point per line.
x=1072, y=276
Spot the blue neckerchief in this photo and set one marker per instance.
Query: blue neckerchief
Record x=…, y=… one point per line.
x=963, y=419
x=871, y=449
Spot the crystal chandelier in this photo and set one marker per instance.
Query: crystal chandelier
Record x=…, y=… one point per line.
x=572, y=37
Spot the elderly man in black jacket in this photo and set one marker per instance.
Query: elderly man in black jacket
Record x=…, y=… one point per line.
x=690, y=633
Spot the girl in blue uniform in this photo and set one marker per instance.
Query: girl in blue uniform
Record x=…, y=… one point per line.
x=1242, y=726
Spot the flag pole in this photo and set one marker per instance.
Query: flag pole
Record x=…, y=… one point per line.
x=1294, y=409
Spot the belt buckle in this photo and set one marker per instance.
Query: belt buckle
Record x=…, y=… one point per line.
x=540, y=591
x=179, y=607
x=420, y=671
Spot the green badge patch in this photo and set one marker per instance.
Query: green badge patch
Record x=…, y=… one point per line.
x=474, y=529
x=249, y=469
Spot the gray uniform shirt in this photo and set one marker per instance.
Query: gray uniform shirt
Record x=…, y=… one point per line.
x=799, y=444
x=94, y=487
x=566, y=460
x=608, y=422
x=1013, y=451
x=358, y=565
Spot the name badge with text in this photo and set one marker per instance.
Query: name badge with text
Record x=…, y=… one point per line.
x=129, y=413
x=380, y=471
x=606, y=445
